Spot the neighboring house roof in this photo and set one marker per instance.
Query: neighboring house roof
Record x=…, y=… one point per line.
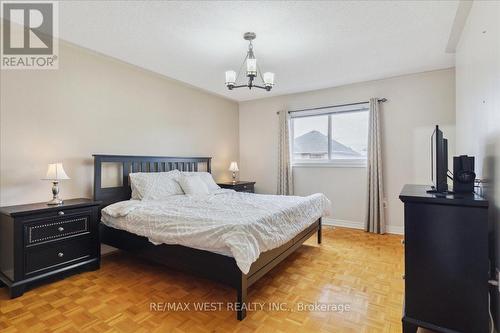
x=315, y=142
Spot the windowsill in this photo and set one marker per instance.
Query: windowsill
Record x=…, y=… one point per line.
x=331, y=164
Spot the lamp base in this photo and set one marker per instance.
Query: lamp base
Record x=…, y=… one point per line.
x=55, y=201
x=55, y=195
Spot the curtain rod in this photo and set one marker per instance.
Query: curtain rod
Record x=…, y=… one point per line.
x=334, y=106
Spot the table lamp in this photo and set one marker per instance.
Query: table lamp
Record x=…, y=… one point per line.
x=233, y=167
x=55, y=173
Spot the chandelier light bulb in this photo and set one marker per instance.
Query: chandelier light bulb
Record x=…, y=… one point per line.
x=268, y=79
x=251, y=67
x=230, y=78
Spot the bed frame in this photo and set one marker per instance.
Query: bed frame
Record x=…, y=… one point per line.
x=206, y=264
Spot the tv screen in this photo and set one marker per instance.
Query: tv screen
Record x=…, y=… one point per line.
x=439, y=161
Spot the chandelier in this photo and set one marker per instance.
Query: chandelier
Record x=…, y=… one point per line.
x=253, y=72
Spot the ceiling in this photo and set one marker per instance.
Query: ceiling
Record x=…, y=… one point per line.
x=308, y=44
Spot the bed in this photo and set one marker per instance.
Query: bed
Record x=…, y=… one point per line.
x=230, y=257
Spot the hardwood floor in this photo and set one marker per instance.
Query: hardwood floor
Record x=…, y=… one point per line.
x=351, y=267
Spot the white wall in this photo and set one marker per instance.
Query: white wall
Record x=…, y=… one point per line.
x=95, y=104
x=416, y=103
x=478, y=105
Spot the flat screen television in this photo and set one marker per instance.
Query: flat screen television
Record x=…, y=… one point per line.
x=439, y=162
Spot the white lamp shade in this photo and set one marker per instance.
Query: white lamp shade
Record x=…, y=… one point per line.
x=233, y=167
x=251, y=66
x=56, y=172
x=230, y=77
x=268, y=78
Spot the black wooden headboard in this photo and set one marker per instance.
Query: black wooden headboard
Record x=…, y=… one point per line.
x=109, y=195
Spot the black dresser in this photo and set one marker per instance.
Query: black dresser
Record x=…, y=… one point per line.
x=446, y=261
x=38, y=241
x=239, y=186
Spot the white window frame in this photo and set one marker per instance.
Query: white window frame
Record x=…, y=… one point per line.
x=335, y=163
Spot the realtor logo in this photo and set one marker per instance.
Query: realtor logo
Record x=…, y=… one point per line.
x=29, y=31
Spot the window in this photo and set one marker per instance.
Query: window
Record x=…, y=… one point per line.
x=334, y=136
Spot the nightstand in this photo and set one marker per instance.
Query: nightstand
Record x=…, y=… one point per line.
x=239, y=186
x=38, y=241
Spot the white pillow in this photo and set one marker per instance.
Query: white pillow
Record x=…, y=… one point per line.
x=205, y=177
x=155, y=185
x=193, y=185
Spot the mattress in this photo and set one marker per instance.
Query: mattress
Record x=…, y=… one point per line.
x=237, y=224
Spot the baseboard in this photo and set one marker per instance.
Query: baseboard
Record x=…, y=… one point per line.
x=390, y=229
x=342, y=223
x=395, y=229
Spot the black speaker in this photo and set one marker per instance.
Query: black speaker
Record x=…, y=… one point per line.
x=463, y=173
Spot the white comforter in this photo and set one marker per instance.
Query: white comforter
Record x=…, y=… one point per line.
x=238, y=224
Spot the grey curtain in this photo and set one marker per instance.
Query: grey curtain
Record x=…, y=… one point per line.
x=375, y=217
x=285, y=178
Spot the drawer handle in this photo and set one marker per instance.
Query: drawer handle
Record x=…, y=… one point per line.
x=60, y=229
x=403, y=242
x=403, y=277
x=61, y=213
x=60, y=254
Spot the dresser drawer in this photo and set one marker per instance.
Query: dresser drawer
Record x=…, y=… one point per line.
x=53, y=255
x=46, y=229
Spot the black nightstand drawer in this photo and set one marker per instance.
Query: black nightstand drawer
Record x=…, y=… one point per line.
x=55, y=212
x=239, y=186
x=244, y=188
x=48, y=230
x=57, y=254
